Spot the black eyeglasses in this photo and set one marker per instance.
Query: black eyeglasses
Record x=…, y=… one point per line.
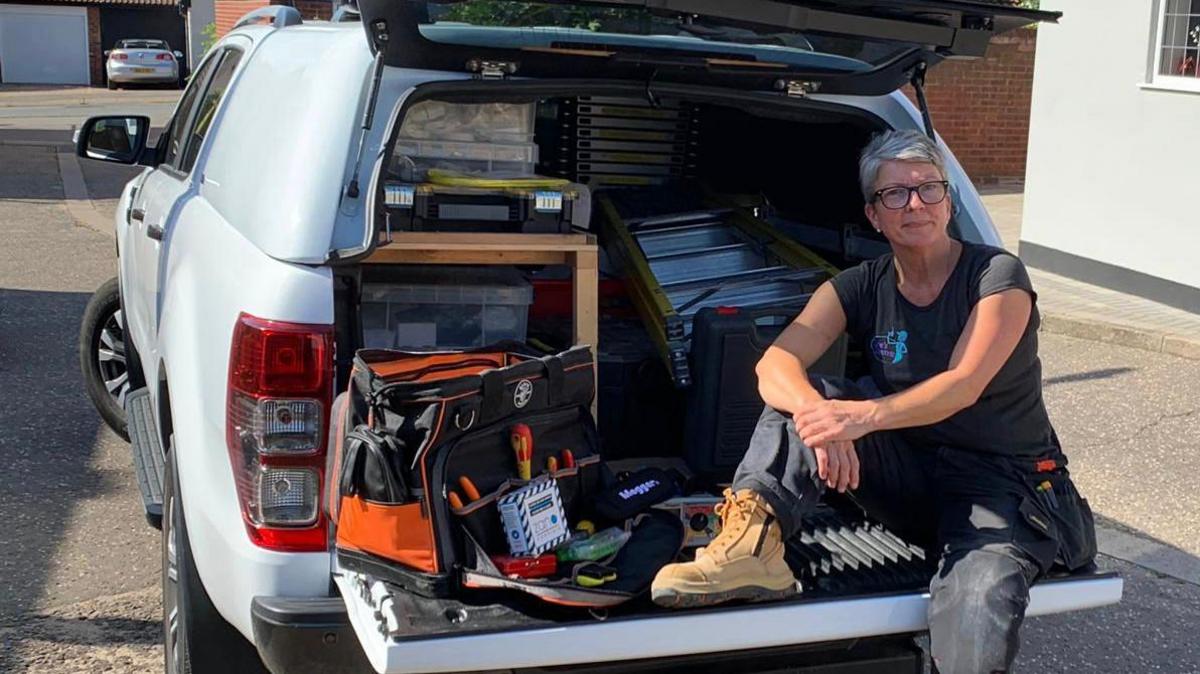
x=895, y=198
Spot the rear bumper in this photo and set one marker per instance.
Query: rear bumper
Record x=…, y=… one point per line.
x=127, y=74
x=306, y=635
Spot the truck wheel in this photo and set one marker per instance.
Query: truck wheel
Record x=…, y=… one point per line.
x=195, y=636
x=103, y=356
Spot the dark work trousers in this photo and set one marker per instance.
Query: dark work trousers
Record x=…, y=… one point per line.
x=978, y=513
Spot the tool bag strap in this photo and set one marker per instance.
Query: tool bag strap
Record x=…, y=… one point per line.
x=556, y=378
x=491, y=390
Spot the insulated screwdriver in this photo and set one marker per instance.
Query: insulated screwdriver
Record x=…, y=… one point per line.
x=521, y=437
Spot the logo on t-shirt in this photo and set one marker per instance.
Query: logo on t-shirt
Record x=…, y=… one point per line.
x=890, y=348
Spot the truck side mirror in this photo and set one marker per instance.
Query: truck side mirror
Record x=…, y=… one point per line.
x=121, y=140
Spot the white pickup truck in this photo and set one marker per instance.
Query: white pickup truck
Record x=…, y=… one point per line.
x=241, y=248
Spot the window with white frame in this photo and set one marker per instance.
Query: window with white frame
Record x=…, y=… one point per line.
x=1177, y=57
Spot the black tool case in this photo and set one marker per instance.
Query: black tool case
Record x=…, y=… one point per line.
x=723, y=402
x=425, y=207
x=639, y=409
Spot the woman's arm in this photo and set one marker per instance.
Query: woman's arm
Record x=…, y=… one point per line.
x=782, y=371
x=783, y=378
x=992, y=332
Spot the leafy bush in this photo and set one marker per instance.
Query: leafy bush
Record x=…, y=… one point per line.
x=208, y=37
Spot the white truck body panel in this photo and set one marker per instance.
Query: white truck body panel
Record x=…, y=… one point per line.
x=195, y=336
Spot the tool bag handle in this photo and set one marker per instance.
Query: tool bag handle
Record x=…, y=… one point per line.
x=493, y=387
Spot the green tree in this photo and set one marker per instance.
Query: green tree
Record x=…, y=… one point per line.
x=208, y=37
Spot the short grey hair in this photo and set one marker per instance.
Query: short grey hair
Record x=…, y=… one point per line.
x=904, y=145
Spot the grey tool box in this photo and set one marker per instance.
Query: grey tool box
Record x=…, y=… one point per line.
x=723, y=402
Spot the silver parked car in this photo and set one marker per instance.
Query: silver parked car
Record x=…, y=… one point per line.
x=138, y=61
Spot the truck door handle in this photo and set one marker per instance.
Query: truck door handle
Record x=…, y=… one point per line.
x=154, y=232
x=137, y=214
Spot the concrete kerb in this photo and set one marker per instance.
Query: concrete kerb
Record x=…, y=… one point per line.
x=1111, y=333
x=1148, y=554
x=76, y=197
x=49, y=147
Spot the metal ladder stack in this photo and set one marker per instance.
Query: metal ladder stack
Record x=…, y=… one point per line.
x=680, y=263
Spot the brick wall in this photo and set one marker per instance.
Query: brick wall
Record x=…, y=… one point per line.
x=229, y=11
x=314, y=10
x=95, y=50
x=981, y=107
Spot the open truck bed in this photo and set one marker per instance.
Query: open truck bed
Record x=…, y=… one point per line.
x=860, y=583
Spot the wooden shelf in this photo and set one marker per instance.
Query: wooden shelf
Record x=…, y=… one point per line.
x=483, y=248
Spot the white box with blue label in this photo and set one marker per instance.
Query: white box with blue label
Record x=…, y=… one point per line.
x=533, y=518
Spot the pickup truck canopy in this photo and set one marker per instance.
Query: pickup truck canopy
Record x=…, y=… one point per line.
x=868, y=47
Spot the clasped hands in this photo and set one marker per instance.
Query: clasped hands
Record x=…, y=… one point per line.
x=830, y=428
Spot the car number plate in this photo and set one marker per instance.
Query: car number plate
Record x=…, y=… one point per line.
x=143, y=70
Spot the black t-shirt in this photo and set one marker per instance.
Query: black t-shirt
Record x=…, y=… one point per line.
x=907, y=344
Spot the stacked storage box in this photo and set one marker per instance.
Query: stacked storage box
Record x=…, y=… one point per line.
x=470, y=167
x=444, y=308
x=494, y=139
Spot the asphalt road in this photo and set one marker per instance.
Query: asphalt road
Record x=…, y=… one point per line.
x=79, y=568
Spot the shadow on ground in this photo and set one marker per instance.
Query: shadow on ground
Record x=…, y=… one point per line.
x=1106, y=373
x=48, y=433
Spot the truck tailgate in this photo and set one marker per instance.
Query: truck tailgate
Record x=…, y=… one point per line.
x=859, y=580
x=661, y=635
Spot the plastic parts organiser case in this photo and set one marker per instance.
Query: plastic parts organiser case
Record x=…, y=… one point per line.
x=426, y=207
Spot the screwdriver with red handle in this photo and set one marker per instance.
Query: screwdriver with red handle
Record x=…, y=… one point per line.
x=521, y=438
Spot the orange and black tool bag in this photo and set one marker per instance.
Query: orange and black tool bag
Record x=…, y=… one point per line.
x=412, y=425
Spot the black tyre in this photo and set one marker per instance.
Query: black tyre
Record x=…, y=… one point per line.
x=195, y=636
x=112, y=84
x=104, y=357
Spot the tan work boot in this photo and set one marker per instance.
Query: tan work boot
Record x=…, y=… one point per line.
x=744, y=561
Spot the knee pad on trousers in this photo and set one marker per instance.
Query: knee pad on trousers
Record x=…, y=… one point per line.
x=977, y=605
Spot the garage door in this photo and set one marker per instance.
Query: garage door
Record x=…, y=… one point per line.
x=43, y=45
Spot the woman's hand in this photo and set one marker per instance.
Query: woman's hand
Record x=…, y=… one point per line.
x=837, y=464
x=823, y=421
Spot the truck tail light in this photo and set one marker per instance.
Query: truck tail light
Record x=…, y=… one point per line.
x=277, y=420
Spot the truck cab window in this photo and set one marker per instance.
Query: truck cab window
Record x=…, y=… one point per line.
x=208, y=108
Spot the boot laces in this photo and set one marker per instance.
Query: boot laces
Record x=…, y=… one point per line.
x=735, y=516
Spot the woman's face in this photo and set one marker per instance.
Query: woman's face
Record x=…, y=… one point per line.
x=916, y=224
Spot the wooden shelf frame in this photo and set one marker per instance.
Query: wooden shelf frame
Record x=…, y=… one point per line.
x=577, y=251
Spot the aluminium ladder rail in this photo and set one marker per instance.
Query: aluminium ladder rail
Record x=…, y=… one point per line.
x=679, y=263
